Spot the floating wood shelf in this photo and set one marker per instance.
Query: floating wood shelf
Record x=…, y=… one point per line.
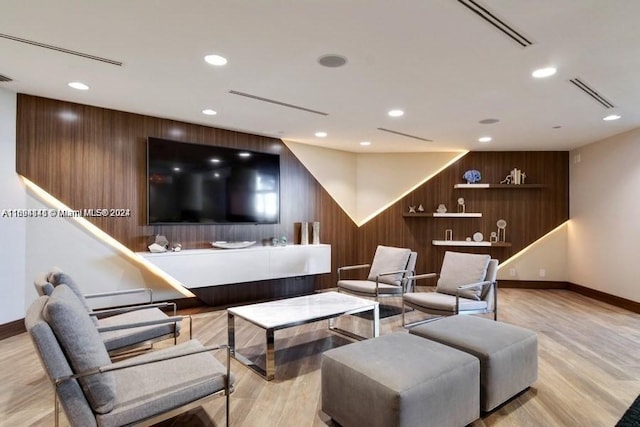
x=500, y=186
x=443, y=215
x=472, y=243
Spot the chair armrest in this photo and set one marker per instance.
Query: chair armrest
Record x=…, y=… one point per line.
x=130, y=364
x=173, y=319
x=352, y=267
x=113, y=311
x=474, y=285
x=122, y=292
x=413, y=278
x=390, y=273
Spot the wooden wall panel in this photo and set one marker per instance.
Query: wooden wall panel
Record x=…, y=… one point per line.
x=91, y=157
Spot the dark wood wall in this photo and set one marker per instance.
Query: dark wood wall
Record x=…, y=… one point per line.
x=90, y=157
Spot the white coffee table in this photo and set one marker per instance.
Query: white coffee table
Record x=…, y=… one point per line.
x=274, y=315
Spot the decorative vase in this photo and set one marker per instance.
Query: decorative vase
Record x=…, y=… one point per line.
x=316, y=233
x=304, y=233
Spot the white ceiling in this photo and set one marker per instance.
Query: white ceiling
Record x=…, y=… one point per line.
x=435, y=59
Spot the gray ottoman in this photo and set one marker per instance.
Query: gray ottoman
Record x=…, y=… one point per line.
x=508, y=354
x=400, y=380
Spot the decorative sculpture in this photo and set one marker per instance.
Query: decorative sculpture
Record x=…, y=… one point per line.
x=441, y=208
x=516, y=176
x=448, y=234
x=502, y=225
x=412, y=209
x=420, y=208
x=472, y=176
x=461, y=206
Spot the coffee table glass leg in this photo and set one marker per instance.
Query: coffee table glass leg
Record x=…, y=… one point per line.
x=376, y=321
x=231, y=333
x=270, y=357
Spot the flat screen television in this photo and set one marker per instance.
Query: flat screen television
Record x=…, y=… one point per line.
x=205, y=184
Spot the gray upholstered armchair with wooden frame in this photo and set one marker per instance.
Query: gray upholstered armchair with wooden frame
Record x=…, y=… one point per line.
x=387, y=273
x=143, y=389
x=124, y=328
x=466, y=285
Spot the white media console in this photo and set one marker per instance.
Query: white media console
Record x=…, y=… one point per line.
x=197, y=268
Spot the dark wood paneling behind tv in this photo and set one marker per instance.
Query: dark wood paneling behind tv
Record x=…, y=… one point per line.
x=90, y=157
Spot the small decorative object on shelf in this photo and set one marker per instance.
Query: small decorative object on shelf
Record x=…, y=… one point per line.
x=316, y=233
x=516, y=177
x=468, y=239
x=177, y=247
x=494, y=237
x=461, y=206
x=304, y=233
x=420, y=208
x=477, y=236
x=472, y=176
x=448, y=234
x=283, y=241
x=275, y=241
x=412, y=209
x=441, y=208
x=502, y=225
x=160, y=244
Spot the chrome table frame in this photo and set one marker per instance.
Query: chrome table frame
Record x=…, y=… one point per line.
x=268, y=372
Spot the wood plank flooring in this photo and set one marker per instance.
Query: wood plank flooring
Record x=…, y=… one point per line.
x=589, y=368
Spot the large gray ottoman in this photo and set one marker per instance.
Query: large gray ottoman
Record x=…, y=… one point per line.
x=400, y=380
x=508, y=354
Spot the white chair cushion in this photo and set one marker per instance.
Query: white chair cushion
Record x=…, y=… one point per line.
x=460, y=269
x=386, y=260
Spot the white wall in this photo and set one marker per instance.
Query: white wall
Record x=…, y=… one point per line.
x=12, y=230
x=604, y=230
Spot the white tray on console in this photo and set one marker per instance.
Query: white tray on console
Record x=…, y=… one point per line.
x=232, y=245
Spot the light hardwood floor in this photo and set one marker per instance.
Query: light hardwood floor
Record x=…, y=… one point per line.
x=589, y=368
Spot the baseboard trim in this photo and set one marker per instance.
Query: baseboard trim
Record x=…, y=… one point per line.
x=605, y=297
x=532, y=284
x=12, y=328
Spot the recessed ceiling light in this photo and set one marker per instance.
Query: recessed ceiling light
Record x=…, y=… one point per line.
x=365, y=143
x=332, y=61
x=321, y=134
x=244, y=154
x=214, y=160
x=543, y=72
x=176, y=169
x=216, y=60
x=209, y=112
x=78, y=85
x=485, y=139
x=395, y=113
x=557, y=127
x=488, y=121
x=611, y=117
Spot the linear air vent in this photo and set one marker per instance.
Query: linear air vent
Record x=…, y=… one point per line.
x=498, y=23
x=61, y=49
x=4, y=79
x=405, y=134
x=273, y=101
x=591, y=92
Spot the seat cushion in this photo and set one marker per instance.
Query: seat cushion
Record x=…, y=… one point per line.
x=368, y=287
x=82, y=344
x=130, y=336
x=436, y=301
x=386, y=260
x=154, y=388
x=460, y=269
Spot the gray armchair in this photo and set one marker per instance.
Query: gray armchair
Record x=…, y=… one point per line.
x=387, y=273
x=93, y=391
x=467, y=285
x=125, y=328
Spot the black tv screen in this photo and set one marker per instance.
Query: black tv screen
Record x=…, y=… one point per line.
x=205, y=184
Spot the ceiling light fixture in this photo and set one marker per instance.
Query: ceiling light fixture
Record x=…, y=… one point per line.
x=332, y=60
x=244, y=154
x=216, y=60
x=321, y=134
x=485, y=139
x=488, y=121
x=365, y=143
x=209, y=112
x=78, y=85
x=395, y=113
x=543, y=72
x=214, y=160
x=611, y=117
